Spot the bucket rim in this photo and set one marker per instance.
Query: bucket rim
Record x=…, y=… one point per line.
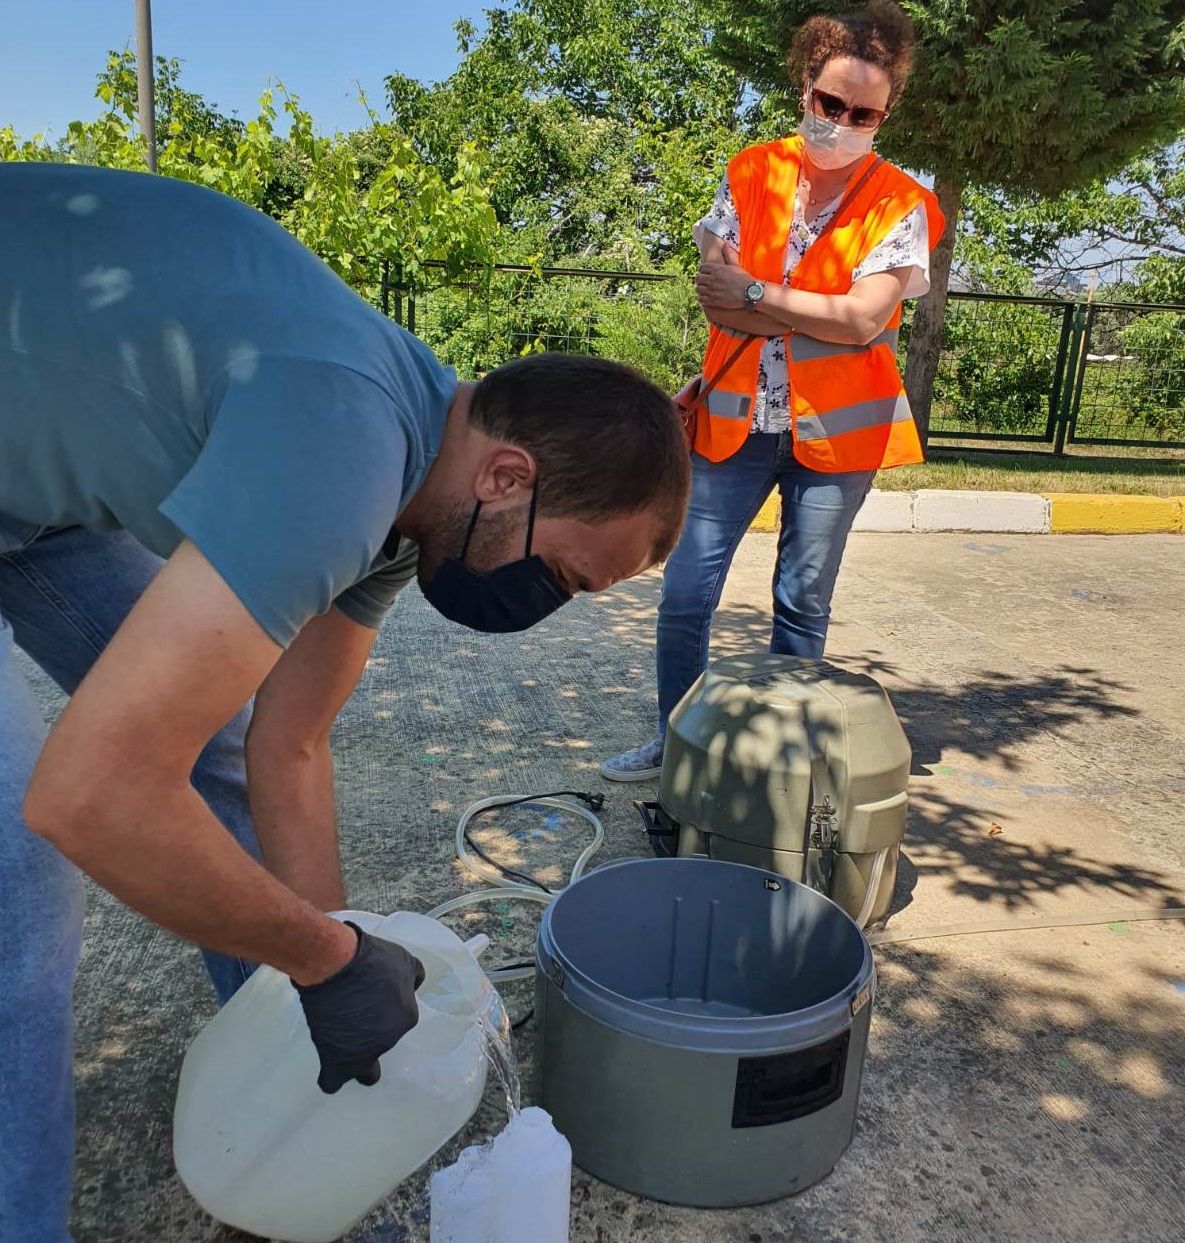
x=744, y=1035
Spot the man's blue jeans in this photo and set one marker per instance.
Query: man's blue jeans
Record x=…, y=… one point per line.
x=817, y=514
x=62, y=596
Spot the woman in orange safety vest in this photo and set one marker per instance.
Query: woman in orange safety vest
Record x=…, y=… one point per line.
x=811, y=245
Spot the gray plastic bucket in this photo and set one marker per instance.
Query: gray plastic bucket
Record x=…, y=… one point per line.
x=702, y=1029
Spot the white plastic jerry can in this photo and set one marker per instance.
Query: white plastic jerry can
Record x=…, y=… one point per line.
x=261, y=1147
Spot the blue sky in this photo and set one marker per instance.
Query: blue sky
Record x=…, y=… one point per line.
x=52, y=50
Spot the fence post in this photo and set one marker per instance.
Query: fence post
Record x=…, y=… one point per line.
x=1071, y=370
x=1059, y=373
x=1087, y=323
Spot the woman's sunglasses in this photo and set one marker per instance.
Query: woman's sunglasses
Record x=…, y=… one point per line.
x=824, y=104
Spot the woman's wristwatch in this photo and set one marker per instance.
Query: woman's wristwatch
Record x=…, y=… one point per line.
x=754, y=292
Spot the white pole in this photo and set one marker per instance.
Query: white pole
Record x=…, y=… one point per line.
x=145, y=79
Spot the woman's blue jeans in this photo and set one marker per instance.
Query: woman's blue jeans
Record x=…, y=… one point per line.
x=817, y=514
x=63, y=594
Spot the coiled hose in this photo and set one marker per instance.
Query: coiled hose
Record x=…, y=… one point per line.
x=503, y=889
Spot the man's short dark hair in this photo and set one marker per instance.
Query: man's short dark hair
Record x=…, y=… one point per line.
x=607, y=442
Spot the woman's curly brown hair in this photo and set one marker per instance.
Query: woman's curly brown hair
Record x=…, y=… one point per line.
x=879, y=32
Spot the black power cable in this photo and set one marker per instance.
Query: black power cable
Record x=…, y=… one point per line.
x=509, y=873
x=594, y=801
x=522, y=1020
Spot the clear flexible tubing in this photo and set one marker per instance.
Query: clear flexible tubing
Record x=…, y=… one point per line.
x=504, y=890
x=874, y=886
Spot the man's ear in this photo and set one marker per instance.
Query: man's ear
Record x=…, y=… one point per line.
x=508, y=473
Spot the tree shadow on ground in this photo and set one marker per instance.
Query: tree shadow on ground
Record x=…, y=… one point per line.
x=603, y=650
x=1013, y=1091
x=1016, y=1087
x=538, y=711
x=955, y=843
x=602, y=684
x=1046, y=1086
x=1005, y=1096
x=993, y=715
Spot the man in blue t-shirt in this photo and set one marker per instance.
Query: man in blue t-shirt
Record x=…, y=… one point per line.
x=217, y=467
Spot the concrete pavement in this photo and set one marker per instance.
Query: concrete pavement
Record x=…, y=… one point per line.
x=1019, y=1086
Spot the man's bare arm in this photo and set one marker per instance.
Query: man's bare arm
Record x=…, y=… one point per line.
x=289, y=764
x=112, y=787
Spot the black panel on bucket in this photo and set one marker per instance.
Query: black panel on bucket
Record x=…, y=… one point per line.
x=786, y=1086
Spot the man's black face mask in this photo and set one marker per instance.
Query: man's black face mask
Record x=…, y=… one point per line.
x=511, y=597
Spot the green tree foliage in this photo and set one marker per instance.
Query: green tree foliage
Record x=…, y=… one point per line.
x=657, y=328
x=1129, y=229
x=1034, y=95
x=1129, y=233
x=998, y=367
x=358, y=201
x=1154, y=384
x=607, y=123
x=476, y=324
x=595, y=135
x=1027, y=96
x=1161, y=279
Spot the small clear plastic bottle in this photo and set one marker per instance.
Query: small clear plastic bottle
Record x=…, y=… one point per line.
x=515, y=1189
x=531, y=1173
x=461, y=1196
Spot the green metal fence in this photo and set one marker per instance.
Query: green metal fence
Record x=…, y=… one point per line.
x=647, y=319
x=1025, y=371
x=1045, y=371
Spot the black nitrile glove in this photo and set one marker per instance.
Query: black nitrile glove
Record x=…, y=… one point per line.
x=365, y=1009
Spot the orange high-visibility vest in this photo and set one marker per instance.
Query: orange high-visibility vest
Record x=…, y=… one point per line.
x=848, y=409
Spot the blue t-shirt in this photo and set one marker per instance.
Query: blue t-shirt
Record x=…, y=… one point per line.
x=174, y=363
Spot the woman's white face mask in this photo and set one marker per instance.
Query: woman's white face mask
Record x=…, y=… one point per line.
x=831, y=145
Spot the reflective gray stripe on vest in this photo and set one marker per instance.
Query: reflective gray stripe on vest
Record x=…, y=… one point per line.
x=853, y=418
x=729, y=405
x=807, y=349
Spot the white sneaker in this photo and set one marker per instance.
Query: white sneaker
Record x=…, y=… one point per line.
x=643, y=763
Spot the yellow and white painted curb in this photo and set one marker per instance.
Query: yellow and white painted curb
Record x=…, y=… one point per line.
x=1028, y=513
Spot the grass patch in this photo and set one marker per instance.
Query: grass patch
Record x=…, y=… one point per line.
x=1033, y=473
